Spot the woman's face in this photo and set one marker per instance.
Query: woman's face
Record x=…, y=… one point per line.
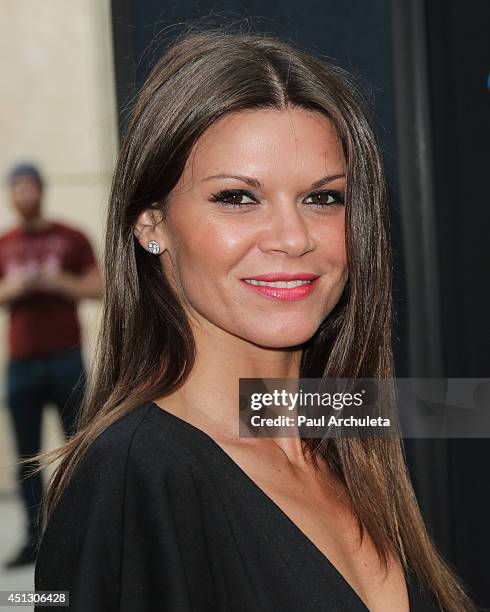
x=261, y=194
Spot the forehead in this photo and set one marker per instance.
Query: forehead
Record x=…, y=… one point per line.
x=24, y=179
x=272, y=145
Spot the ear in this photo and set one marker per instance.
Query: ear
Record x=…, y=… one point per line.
x=149, y=226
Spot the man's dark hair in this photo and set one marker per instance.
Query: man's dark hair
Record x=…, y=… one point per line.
x=25, y=169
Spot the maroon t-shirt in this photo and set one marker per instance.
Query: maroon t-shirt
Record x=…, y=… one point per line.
x=44, y=323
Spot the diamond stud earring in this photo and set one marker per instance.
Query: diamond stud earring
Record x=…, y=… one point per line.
x=154, y=247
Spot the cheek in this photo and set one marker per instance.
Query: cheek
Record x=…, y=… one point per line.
x=205, y=251
x=27, y=192
x=333, y=245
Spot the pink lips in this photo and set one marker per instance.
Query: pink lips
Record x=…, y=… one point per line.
x=280, y=293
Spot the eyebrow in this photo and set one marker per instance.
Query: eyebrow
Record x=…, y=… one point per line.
x=255, y=183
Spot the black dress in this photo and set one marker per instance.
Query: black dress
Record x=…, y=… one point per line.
x=159, y=518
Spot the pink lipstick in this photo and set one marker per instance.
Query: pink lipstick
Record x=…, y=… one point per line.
x=282, y=286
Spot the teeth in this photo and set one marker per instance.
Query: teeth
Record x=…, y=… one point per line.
x=279, y=284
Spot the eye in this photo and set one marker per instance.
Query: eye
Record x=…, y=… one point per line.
x=234, y=198
x=325, y=198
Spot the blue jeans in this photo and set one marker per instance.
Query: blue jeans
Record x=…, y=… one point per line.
x=32, y=382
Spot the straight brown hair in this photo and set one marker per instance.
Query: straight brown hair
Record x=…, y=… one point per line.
x=202, y=76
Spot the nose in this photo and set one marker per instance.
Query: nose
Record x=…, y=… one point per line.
x=286, y=231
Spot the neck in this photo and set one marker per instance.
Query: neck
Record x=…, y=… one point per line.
x=34, y=223
x=209, y=398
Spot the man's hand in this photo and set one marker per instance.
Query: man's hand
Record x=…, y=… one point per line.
x=18, y=284
x=54, y=282
x=23, y=283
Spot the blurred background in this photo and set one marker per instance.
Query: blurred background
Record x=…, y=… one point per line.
x=70, y=71
x=58, y=110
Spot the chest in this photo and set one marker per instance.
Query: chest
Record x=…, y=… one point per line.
x=50, y=251
x=318, y=506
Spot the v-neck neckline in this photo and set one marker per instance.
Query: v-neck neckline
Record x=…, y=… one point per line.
x=271, y=504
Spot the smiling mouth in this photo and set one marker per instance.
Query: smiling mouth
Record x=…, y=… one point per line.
x=282, y=290
x=279, y=284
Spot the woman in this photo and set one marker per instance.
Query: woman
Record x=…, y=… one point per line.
x=244, y=157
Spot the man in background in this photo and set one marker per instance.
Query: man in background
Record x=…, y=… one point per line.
x=46, y=267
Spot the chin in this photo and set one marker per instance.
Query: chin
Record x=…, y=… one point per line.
x=27, y=212
x=281, y=338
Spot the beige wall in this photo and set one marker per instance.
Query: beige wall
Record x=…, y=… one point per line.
x=58, y=109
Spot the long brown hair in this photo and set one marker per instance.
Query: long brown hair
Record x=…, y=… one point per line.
x=145, y=347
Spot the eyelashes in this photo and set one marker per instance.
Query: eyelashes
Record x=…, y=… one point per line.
x=233, y=198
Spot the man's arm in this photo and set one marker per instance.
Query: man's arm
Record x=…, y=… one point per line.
x=15, y=286
x=74, y=286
